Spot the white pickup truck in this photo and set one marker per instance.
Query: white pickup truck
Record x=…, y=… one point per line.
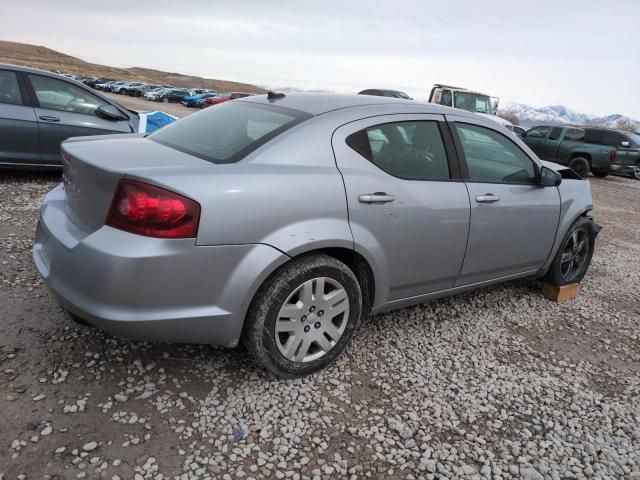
x=468, y=100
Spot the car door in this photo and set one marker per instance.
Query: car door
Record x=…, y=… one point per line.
x=19, y=142
x=408, y=207
x=536, y=137
x=66, y=110
x=513, y=219
x=548, y=150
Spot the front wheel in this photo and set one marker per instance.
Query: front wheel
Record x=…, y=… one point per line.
x=574, y=255
x=636, y=171
x=304, y=316
x=580, y=165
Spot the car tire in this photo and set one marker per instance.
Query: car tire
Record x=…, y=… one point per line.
x=572, y=262
x=580, y=165
x=636, y=173
x=309, y=338
x=600, y=173
x=165, y=100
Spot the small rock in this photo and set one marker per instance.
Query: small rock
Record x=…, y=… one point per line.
x=88, y=447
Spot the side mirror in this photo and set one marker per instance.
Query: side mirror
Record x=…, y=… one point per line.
x=110, y=112
x=549, y=178
x=625, y=144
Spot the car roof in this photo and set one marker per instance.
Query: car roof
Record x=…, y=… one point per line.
x=319, y=103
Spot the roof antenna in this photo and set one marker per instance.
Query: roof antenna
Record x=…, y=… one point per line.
x=274, y=96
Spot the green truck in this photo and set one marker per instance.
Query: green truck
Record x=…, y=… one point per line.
x=567, y=146
x=599, y=150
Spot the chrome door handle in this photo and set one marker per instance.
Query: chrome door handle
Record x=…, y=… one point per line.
x=378, y=197
x=487, y=198
x=47, y=118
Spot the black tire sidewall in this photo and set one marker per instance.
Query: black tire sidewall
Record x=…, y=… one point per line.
x=259, y=336
x=580, y=161
x=554, y=275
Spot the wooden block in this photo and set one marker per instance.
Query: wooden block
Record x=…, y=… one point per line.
x=560, y=294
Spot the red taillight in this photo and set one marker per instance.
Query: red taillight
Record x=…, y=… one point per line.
x=145, y=209
x=613, y=155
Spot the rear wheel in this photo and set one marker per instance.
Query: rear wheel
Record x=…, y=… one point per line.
x=636, y=172
x=574, y=255
x=580, y=165
x=304, y=316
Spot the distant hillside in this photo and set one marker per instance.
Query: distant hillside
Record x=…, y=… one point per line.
x=559, y=114
x=47, y=59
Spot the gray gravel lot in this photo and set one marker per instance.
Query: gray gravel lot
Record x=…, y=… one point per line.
x=499, y=383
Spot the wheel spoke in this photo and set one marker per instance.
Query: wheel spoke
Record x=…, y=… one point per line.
x=333, y=332
x=306, y=296
x=318, y=291
x=286, y=326
x=574, y=238
x=323, y=343
x=566, y=256
x=292, y=346
x=303, y=349
x=291, y=311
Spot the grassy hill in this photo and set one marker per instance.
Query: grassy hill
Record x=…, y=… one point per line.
x=46, y=59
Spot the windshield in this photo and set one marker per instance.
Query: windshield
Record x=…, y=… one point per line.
x=229, y=132
x=473, y=102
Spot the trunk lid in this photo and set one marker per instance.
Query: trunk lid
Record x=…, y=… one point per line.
x=92, y=167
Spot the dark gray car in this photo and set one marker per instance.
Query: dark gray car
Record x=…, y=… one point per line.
x=39, y=110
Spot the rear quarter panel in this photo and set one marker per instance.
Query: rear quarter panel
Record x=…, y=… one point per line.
x=288, y=194
x=599, y=154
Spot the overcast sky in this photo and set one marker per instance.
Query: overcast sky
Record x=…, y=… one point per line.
x=584, y=54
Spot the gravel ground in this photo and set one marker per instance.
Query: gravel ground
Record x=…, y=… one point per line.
x=141, y=105
x=499, y=383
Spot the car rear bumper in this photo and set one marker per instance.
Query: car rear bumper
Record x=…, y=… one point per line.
x=149, y=289
x=623, y=169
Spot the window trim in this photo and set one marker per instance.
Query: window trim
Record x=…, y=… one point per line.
x=24, y=100
x=447, y=141
x=463, y=158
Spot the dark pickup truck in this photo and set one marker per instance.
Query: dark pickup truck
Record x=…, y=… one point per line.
x=627, y=147
x=567, y=146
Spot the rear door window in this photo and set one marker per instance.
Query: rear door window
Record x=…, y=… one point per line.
x=229, y=132
x=555, y=133
x=9, y=88
x=412, y=150
x=538, y=132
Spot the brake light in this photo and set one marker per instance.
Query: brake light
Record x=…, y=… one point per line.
x=613, y=155
x=145, y=209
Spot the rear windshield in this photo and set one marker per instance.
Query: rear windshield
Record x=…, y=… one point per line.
x=228, y=132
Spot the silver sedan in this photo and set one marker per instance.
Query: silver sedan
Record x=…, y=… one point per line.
x=282, y=221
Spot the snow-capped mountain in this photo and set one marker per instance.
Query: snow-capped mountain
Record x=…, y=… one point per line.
x=559, y=114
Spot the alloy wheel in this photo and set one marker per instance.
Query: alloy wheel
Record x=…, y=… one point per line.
x=574, y=254
x=636, y=171
x=312, y=320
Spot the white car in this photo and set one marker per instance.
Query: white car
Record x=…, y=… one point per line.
x=153, y=94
